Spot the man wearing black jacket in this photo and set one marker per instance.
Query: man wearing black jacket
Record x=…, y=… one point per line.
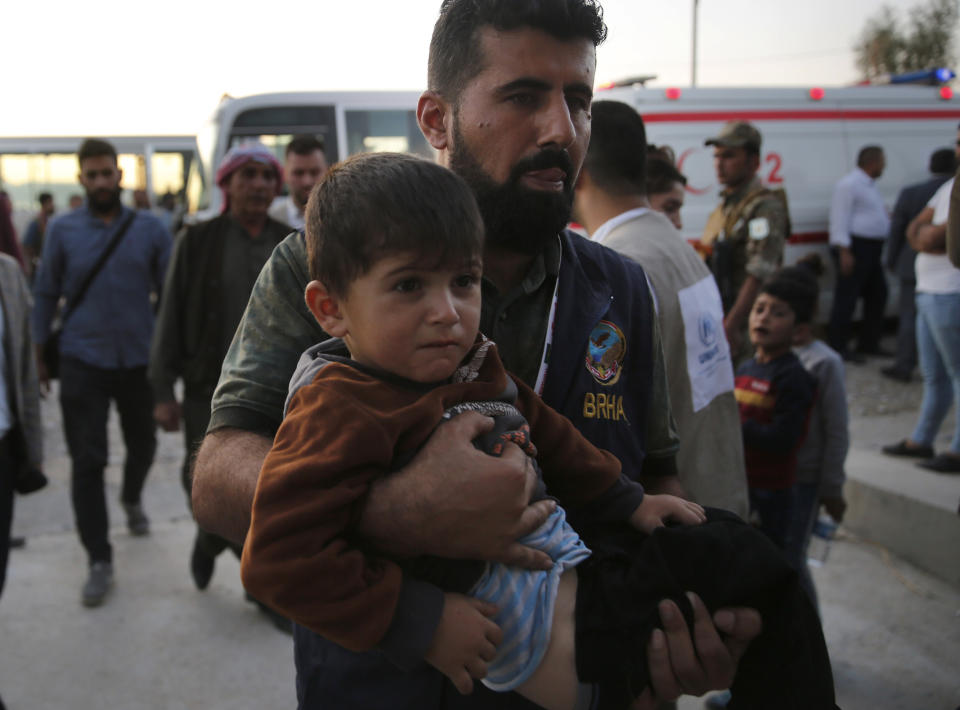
x=212, y=271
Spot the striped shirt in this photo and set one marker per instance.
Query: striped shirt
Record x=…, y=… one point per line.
x=525, y=600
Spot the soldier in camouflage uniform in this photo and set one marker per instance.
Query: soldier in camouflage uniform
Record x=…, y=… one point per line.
x=745, y=234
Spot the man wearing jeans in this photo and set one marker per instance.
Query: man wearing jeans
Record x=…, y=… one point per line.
x=938, y=336
x=104, y=347
x=900, y=258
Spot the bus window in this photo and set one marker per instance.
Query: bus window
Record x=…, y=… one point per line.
x=276, y=142
x=169, y=172
x=134, y=171
x=27, y=175
x=196, y=193
x=393, y=130
x=176, y=172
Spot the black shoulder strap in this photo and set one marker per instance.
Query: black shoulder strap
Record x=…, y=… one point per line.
x=82, y=291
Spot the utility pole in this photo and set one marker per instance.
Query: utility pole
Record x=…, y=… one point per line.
x=693, y=62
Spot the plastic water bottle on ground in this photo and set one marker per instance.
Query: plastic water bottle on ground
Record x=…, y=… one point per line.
x=824, y=531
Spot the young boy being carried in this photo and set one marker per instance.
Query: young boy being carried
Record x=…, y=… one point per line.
x=394, y=245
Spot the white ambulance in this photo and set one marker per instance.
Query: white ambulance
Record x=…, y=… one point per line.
x=811, y=137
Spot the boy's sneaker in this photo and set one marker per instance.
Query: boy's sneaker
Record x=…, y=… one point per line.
x=137, y=520
x=98, y=583
x=717, y=701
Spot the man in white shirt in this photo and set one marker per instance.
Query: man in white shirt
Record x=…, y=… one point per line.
x=304, y=165
x=859, y=225
x=938, y=336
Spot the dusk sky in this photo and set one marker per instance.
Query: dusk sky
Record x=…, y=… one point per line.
x=164, y=74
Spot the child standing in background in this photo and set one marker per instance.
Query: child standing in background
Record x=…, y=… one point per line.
x=821, y=458
x=775, y=394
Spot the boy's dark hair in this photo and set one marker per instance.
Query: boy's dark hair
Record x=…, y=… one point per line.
x=663, y=152
x=943, y=161
x=44, y=197
x=617, y=155
x=375, y=204
x=94, y=148
x=304, y=144
x=455, y=54
x=662, y=175
x=798, y=286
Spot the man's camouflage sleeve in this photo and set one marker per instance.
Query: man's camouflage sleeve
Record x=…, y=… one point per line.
x=765, y=255
x=275, y=330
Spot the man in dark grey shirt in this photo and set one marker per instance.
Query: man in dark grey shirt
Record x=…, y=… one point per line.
x=103, y=347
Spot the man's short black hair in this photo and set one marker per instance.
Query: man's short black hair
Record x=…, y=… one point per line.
x=44, y=197
x=304, y=144
x=617, y=156
x=455, y=54
x=94, y=148
x=798, y=286
x=869, y=154
x=943, y=161
x=376, y=204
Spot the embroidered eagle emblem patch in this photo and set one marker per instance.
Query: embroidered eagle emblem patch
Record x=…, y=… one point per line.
x=606, y=351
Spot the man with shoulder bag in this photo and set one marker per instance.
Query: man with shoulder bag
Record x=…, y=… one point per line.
x=105, y=261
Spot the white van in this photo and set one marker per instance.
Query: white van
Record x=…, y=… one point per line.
x=811, y=138
x=348, y=121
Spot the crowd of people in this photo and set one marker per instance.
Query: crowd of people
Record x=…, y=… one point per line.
x=450, y=438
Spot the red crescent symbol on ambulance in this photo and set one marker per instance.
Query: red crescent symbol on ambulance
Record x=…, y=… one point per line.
x=688, y=187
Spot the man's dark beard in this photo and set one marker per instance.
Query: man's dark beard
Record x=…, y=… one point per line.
x=104, y=201
x=516, y=217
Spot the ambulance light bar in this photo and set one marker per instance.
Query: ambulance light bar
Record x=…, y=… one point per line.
x=938, y=75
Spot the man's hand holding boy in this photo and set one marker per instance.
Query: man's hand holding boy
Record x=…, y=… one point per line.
x=452, y=500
